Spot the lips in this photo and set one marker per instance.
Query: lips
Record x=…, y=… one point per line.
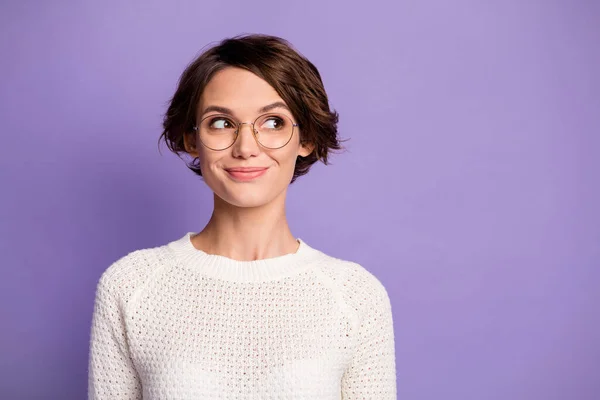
x=245, y=174
x=245, y=169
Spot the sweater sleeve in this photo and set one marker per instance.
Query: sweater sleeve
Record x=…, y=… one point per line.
x=372, y=370
x=111, y=373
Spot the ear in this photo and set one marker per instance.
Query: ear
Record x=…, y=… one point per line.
x=189, y=142
x=305, y=149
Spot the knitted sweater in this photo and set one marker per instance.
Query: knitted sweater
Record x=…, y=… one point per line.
x=173, y=322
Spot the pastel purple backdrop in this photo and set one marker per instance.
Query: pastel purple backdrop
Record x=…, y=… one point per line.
x=470, y=188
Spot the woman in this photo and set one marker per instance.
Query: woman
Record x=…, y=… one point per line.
x=242, y=309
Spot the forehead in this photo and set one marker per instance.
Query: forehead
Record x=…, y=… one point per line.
x=239, y=90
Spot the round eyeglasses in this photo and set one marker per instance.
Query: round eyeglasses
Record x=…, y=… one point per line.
x=272, y=131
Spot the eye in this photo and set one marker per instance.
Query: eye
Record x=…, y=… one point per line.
x=220, y=123
x=273, y=123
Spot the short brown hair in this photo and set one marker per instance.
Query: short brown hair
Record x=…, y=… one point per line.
x=296, y=80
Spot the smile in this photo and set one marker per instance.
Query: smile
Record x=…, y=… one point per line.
x=246, y=174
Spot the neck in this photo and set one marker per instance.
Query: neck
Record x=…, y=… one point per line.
x=246, y=234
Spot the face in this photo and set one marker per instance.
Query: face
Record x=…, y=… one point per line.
x=244, y=95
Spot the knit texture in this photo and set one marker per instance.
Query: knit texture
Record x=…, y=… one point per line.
x=173, y=322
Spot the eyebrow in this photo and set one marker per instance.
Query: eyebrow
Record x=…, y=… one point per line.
x=267, y=108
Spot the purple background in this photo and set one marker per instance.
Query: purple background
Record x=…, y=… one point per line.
x=470, y=188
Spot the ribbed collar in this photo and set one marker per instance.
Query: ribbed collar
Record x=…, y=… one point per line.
x=225, y=268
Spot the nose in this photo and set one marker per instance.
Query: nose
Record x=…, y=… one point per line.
x=245, y=145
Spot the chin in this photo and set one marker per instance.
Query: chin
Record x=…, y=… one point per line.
x=245, y=203
x=246, y=198
x=247, y=195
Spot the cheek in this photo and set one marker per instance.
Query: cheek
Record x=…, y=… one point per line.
x=287, y=165
x=207, y=162
x=290, y=152
x=286, y=157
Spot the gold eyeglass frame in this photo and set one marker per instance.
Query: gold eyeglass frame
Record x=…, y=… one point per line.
x=238, y=126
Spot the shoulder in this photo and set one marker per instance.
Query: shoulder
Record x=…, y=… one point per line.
x=121, y=279
x=359, y=287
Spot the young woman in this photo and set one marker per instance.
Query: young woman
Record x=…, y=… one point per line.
x=243, y=309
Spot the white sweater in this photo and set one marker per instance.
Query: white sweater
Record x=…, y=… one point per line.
x=173, y=322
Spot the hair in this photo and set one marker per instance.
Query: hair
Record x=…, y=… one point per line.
x=295, y=78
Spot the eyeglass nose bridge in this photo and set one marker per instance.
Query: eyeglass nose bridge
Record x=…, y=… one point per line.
x=254, y=132
x=239, y=126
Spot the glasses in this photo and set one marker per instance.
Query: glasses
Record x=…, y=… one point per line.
x=272, y=131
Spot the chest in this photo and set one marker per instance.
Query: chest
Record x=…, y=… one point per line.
x=212, y=339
